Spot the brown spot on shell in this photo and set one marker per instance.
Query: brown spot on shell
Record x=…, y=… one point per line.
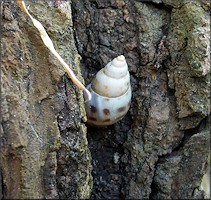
x=93, y=109
x=95, y=82
x=93, y=119
x=106, y=120
x=106, y=111
x=121, y=109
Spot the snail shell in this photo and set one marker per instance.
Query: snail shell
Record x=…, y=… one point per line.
x=111, y=94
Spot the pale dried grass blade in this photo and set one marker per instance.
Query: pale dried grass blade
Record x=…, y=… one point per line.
x=48, y=43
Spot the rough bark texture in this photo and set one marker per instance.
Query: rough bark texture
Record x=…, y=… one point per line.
x=44, y=150
x=159, y=150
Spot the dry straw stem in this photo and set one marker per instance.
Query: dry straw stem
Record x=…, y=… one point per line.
x=48, y=43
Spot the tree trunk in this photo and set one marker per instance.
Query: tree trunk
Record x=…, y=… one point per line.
x=159, y=150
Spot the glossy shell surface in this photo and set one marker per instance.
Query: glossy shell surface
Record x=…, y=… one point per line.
x=104, y=111
x=111, y=94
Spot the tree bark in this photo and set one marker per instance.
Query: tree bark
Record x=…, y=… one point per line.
x=159, y=150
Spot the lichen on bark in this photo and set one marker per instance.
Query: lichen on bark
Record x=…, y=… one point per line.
x=34, y=95
x=45, y=145
x=171, y=182
x=189, y=67
x=167, y=99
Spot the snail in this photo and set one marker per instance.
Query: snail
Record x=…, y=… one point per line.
x=111, y=94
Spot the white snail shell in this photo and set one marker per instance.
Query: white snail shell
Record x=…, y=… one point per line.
x=111, y=94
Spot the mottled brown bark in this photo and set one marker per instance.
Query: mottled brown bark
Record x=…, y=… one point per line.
x=44, y=151
x=159, y=150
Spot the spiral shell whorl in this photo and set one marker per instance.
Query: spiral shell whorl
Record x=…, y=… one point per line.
x=113, y=80
x=111, y=94
x=117, y=68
